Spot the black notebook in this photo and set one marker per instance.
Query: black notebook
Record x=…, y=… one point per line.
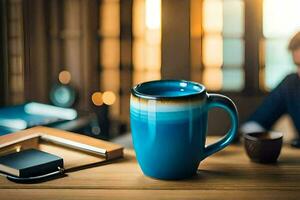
x=30, y=163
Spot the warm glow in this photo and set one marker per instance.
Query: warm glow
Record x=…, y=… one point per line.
x=109, y=80
x=109, y=98
x=222, y=44
x=138, y=15
x=139, y=54
x=110, y=53
x=212, y=15
x=18, y=149
x=212, y=51
x=195, y=20
x=109, y=18
x=153, y=37
x=97, y=99
x=146, y=50
x=281, y=17
x=64, y=77
x=153, y=58
x=146, y=56
x=153, y=14
x=212, y=79
x=142, y=76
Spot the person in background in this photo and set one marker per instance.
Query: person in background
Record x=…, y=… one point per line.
x=284, y=99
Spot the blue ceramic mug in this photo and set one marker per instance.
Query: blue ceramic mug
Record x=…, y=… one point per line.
x=169, y=122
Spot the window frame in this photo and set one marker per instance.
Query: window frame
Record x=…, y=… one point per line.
x=253, y=58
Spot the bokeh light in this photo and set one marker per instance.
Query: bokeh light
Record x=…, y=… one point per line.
x=212, y=78
x=153, y=14
x=212, y=16
x=97, y=99
x=109, y=97
x=64, y=77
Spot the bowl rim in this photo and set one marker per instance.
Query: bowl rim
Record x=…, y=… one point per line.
x=249, y=136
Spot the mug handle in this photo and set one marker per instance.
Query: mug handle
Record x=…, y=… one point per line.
x=221, y=101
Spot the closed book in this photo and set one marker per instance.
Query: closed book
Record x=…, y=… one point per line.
x=30, y=163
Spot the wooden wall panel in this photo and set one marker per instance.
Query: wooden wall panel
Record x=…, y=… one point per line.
x=53, y=14
x=176, y=39
x=126, y=58
x=90, y=55
x=61, y=35
x=3, y=54
x=253, y=33
x=36, y=50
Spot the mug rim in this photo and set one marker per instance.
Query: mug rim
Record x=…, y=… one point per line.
x=136, y=93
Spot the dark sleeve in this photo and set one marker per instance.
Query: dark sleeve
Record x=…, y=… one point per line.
x=273, y=106
x=293, y=100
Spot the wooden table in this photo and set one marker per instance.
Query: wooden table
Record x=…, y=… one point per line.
x=226, y=175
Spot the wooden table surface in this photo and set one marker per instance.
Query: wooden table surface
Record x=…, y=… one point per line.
x=226, y=175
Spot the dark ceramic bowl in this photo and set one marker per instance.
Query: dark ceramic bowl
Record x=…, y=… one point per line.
x=263, y=147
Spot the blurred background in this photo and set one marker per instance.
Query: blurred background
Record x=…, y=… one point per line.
x=87, y=54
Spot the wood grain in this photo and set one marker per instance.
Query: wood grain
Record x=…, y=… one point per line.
x=227, y=174
x=69, y=194
x=112, y=150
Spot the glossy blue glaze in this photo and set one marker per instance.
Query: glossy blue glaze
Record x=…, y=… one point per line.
x=168, y=89
x=169, y=132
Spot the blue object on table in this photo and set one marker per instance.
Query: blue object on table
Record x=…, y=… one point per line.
x=19, y=117
x=4, y=131
x=63, y=95
x=169, y=122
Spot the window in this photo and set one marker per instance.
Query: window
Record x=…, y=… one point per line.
x=280, y=22
x=222, y=44
x=109, y=33
x=146, y=40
